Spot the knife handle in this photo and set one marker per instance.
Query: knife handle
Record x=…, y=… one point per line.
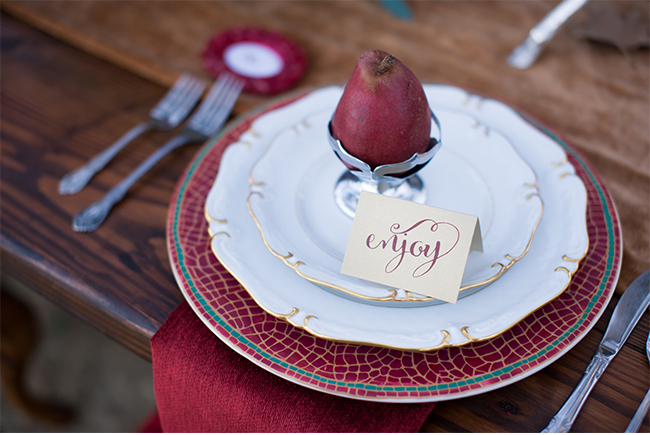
x=566, y=416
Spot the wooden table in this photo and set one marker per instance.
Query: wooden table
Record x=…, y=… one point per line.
x=76, y=75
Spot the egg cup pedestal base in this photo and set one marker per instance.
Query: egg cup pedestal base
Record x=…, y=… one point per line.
x=349, y=187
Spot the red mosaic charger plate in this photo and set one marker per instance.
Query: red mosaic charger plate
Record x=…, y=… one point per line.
x=375, y=373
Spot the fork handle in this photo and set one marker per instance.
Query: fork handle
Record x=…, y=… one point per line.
x=640, y=414
x=566, y=416
x=76, y=180
x=90, y=218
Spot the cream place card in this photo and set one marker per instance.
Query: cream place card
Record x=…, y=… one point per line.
x=411, y=246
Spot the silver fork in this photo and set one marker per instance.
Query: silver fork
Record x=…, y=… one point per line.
x=207, y=120
x=174, y=106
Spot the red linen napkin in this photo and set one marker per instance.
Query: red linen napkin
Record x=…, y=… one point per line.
x=202, y=385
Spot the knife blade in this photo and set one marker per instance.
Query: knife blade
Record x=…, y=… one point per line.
x=628, y=311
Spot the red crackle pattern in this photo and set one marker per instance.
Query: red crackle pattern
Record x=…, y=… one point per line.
x=364, y=371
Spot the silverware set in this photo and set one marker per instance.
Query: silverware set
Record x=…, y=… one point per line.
x=170, y=111
x=628, y=311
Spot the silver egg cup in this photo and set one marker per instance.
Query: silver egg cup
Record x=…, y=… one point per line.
x=397, y=180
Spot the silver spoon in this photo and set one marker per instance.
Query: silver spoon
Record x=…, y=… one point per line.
x=640, y=414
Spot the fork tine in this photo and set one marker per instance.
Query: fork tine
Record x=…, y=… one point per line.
x=187, y=102
x=208, y=115
x=221, y=115
x=174, y=92
x=171, y=99
x=211, y=99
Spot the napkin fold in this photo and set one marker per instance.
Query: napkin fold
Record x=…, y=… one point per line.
x=202, y=385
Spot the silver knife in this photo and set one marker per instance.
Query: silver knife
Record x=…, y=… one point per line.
x=525, y=54
x=627, y=313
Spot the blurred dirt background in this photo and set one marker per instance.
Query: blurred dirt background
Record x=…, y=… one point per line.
x=107, y=387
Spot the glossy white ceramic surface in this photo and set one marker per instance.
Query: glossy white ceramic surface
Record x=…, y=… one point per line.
x=560, y=239
x=476, y=172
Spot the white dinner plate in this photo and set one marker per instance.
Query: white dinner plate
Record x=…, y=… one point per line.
x=476, y=172
x=560, y=241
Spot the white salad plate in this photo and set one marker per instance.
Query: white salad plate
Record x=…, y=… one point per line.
x=559, y=242
x=475, y=172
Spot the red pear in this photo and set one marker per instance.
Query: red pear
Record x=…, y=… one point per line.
x=383, y=116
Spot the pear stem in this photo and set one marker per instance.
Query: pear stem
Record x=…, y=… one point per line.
x=385, y=65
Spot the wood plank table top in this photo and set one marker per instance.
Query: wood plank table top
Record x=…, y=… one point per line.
x=76, y=75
